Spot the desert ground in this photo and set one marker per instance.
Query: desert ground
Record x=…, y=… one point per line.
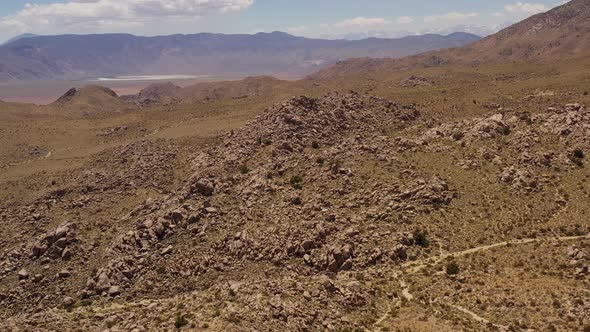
x=451, y=198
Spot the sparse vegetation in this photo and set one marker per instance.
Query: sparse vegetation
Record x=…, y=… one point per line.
x=421, y=238
x=296, y=182
x=180, y=321
x=264, y=141
x=244, y=170
x=577, y=157
x=452, y=268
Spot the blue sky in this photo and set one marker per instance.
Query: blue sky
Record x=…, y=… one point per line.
x=312, y=18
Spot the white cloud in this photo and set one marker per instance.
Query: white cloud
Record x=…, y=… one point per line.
x=525, y=8
x=298, y=29
x=404, y=20
x=450, y=17
x=90, y=14
x=361, y=22
x=476, y=29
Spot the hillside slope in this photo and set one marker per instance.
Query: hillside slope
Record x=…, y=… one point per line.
x=559, y=33
x=164, y=93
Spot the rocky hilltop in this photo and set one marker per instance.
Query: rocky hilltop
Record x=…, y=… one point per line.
x=90, y=100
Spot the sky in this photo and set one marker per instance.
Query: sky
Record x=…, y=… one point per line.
x=310, y=18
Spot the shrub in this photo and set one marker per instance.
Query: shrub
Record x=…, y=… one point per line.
x=526, y=117
x=296, y=182
x=453, y=268
x=320, y=160
x=315, y=145
x=296, y=179
x=85, y=302
x=577, y=157
x=244, y=169
x=180, y=321
x=420, y=238
x=457, y=136
x=263, y=140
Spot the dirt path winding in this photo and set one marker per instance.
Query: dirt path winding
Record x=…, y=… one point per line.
x=417, y=266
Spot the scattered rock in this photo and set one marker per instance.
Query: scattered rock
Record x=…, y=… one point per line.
x=68, y=302
x=23, y=274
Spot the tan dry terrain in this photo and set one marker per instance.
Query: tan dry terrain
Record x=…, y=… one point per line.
x=431, y=161
x=450, y=198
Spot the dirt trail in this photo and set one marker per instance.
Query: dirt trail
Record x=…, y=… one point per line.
x=417, y=266
x=47, y=156
x=478, y=318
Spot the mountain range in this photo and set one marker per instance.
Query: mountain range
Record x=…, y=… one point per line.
x=21, y=36
x=276, y=53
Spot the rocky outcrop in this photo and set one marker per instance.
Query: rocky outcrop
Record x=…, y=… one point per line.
x=57, y=243
x=415, y=81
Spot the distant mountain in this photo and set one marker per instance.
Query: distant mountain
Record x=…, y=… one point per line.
x=24, y=35
x=557, y=34
x=277, y=53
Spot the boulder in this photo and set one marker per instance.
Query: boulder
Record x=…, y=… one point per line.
x=103, y=283
x=167, y=250
x=68, y=302
x=23, y=274
x=114, y=291
x=204, y=187
x=64, y=274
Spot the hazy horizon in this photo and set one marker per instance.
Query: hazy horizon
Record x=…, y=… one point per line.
x=329, y=19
